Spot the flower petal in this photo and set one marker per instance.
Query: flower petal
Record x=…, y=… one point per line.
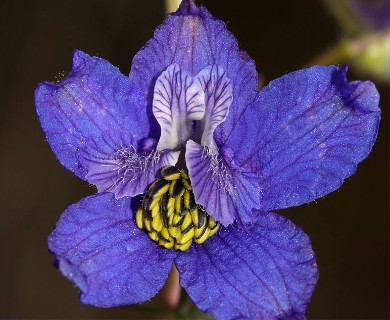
x=228, y=193
x=99, y=247
x=94, y=109
x=126, y=173
x=194, y=39
x=219, y=96
x=305, y=134
x=266, y=272
x=178, y=99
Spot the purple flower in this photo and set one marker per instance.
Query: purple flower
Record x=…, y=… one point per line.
x=212, y=157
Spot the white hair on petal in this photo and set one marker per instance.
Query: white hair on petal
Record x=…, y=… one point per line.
x=131, y=163
x=219, y=171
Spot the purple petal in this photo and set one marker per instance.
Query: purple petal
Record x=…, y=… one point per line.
x=94, y=109
x=266, y=272
x=126, y=173
x=305, y=134
x=228, y=193
x=177, y=99
x=99, y=247
x=194, y=39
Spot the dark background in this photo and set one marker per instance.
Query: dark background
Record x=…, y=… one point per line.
x=349, y=228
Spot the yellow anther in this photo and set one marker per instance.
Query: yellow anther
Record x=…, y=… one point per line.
x=177, y=220
x=165, y=233
x=186, y=222
x=154, y=236
x=170, y=214
x=186, y=236
x=171, y=211
x=170, y=219
x=187, y=185
x=203, y=237
x=155, y=211
x=171, y=203
x=154, y=202
x=172, y=186
x=157, y=223
x=174, y=232
x=161, y=191
x=183, y=247
x=184, y=175
x=139, y=218
x=173, y=176
x=214, y=230
x=187, y=198
x=178, y=205
x=200, y=231
x=212, y=223
x=147, y=224
x=170, y=173
x=166, y=244
x=194, y=217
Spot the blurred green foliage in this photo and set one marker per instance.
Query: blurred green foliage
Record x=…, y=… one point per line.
x=364, y=39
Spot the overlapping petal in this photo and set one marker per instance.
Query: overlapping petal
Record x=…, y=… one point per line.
x=194, y=40
x=127, y=172
x=91, y=109
x=305, y=134
x=267, y=271
x=99, y=247
x=228, y=193
x=92, y=118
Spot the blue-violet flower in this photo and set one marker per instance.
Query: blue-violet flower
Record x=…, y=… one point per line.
x=190, y=160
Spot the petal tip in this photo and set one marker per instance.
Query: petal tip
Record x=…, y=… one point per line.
x=189, y=8
x=79, y=59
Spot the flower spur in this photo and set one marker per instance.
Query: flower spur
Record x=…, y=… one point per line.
x=211, y=158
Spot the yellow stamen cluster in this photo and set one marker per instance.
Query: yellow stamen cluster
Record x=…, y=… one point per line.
x=170, y=215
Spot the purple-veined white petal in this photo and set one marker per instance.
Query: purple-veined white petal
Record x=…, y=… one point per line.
x=218, y=98
x=178, y=100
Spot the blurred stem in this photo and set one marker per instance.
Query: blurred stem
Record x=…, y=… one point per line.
x=173, y=289
x=350, y=48
x=171, y=5
x=346, y=16
x=370, y=53
x=334, y=55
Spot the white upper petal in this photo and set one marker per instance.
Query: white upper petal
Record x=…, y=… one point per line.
x=189, y=107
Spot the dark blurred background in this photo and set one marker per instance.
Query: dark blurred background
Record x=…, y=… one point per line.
x=348, y=229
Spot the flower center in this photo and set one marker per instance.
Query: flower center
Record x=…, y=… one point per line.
x=170, y=215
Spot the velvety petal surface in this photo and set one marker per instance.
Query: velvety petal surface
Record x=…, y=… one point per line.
x=266, y=272
x=305, y=134
x=94, y=109
x=228, y=193
x=99, y=247
x=126, y=173
x=193, y=39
